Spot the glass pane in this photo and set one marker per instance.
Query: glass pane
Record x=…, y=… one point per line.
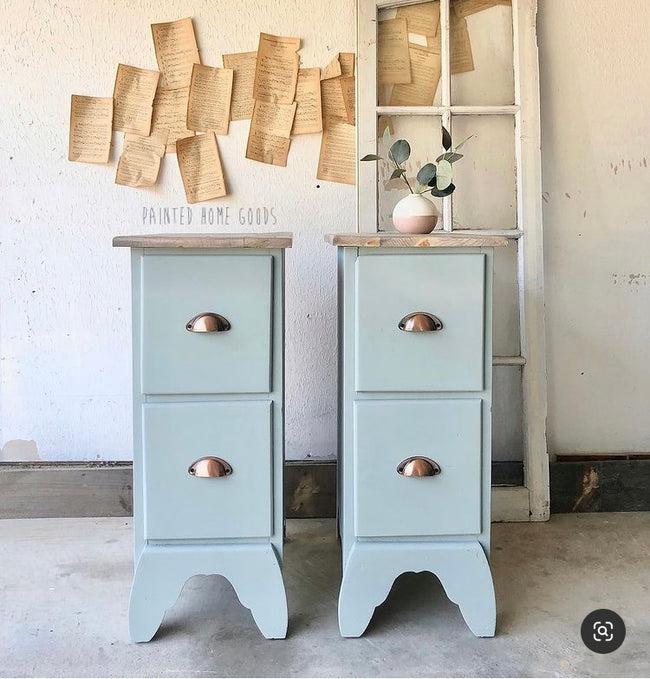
x=486, y=189
x=423, y=135
x=481, y=52
x=505, y=323
x=408, y=55
x=507, y=416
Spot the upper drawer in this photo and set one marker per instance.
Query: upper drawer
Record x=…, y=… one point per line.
x=176, y=288
x=445, y=432
x=181, y=505
x=448, y=286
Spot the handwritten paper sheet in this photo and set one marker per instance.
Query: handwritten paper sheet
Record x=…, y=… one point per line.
x=208, y=105
x=346, y=59
x=460, y=48
x=243, y=66
x=91, y=129
x=332, y=101
x=393, y=66
x=170, y=113
x=276, y=73
x=425, y=74
x=349, y=97
x=133, y=96
x=176, y=52
x=337, y=160
x=466, y=7
x=139, y=163
x=332, y=70
x=422, y=19
x=308, y=117
x=200, y=166
x=270, y=131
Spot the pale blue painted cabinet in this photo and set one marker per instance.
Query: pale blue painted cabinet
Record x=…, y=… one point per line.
x=208, y=348
x=415, y=393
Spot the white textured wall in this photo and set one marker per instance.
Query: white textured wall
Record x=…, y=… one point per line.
x=64, y=291
x=595, y=89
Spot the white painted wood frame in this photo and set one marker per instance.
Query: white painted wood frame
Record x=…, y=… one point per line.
x=531, y=501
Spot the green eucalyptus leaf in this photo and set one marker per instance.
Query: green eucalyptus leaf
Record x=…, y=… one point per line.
x=462, y=143
x=400, y=151
x=371, y=156
x=446, y=138
x=441, y=193
x=443, y=175
x=386, y=139
x=397, y=173
x=426, y=173
x=449, y=156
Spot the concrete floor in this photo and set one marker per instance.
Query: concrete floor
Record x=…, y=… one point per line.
x=65, y=587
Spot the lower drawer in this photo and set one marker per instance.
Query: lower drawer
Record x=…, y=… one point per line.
x=182, y=505
x=444, y=432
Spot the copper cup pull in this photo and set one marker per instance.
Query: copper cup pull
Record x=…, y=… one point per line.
x=418, y=466
x=208, y=322
x=209, y=467
x=420, y=321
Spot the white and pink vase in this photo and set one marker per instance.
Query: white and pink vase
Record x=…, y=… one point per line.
x=415, y=214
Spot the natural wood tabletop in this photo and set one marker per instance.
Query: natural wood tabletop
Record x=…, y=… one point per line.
x=437, y=239
x=206, y=240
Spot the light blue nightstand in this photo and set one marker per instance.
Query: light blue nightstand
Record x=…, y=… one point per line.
x=208, y=347
x=415, y=390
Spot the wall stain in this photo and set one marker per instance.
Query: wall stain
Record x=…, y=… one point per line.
x=633, y=281
x=19, y=450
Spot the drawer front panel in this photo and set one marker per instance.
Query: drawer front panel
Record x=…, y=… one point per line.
x=447, y=432
x=448, y=286
x=176, y=288
x=181, y=506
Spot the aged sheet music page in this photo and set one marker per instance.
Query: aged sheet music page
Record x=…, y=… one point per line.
x=208, y=106
x=466, y=7
x=242, y=102
x=422, y=18
x=269, y=135
x=139, y=163
x=346, y=59
x=332, y=101
x=308, y=117
x=176, y=51
x=337, y=161
x=276, y=73
x=393, y=65
x=91, y=129
x=170, y=113
x=425, y=74
x=133, y=96
x=460, y=48
x=200, y=165
x=332, y=70
x=349, y=97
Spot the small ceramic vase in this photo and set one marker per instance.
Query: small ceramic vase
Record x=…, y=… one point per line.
x=415, y=214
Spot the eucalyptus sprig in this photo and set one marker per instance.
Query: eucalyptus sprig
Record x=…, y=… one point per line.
x=435, y=178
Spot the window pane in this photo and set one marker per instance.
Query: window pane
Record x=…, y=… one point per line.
x=485, y=195
x=481, y=49
x=423, y=135
x=507, y=415
x=408, y=55
x=505, y=323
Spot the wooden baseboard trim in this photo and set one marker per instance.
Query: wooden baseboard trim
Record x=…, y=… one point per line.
x=73, y=489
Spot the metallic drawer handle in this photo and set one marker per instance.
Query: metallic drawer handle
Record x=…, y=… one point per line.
x=420, y=321
x=206, y=467
x=208, y=322
x=418, y=466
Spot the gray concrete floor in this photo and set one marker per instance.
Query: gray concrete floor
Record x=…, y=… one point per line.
x=64, y=587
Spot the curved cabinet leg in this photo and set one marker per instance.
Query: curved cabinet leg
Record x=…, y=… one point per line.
x=371, y=569
x=253, y=570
